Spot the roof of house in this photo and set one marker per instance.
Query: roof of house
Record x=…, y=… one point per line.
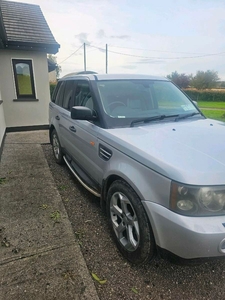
x=23, y=26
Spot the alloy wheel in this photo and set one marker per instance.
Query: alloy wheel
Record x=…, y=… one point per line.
x=56, y=148
x=124, y=221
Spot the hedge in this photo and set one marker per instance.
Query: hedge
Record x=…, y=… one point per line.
x=206, y=95
x=52, y=87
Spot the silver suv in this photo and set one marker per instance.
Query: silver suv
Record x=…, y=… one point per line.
x=157, y=164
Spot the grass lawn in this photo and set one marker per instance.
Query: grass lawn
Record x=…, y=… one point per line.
x=214, y=114
x=211, y=104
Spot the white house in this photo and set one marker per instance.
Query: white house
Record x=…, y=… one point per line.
x=25, y=40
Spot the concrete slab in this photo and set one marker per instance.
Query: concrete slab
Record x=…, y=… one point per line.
x=55, y=274
x=39, y=255
x=19, y=153
x=28, y=137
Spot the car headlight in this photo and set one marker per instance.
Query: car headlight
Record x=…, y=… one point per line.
x=197, y=201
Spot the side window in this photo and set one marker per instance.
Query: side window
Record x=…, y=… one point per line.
x=68, y=101
x=83, y=95
x=56, y=89
x=60, y=93
x=24, y=78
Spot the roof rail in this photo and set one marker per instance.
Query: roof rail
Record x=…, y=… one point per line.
x=86, y=72
x=79, y=73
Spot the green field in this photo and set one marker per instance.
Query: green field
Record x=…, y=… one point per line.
x=211, y=104
x=214, y=114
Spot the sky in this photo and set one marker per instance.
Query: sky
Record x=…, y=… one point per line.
x=143, y=36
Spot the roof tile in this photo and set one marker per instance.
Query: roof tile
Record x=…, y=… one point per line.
x=25, y=23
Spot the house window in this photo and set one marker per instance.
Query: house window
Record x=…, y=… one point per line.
x=24, y=79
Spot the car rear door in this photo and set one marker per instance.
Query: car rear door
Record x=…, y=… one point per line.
x=55, y=109
x=65, y=111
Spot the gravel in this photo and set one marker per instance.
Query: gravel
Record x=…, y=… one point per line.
x=159, y=279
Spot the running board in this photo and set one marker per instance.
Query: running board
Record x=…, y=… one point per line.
x=81, y=181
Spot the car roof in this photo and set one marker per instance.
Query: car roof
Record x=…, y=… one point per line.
x=96, y=77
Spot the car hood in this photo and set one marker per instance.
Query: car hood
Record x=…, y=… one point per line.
x=188, y=151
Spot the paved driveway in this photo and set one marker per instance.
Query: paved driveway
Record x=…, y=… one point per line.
x=39, y=255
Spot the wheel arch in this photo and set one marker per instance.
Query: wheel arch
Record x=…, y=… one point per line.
x=105, y=187
x=147, y=184
x=109, y=180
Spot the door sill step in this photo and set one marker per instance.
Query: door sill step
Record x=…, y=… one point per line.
x=94, y=192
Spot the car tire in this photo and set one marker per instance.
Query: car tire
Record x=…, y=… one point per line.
x=130, y=226
x=56, y=148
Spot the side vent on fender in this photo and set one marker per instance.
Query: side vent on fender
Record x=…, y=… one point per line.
x=104, y=152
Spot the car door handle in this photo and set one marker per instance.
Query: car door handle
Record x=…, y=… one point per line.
x=57, y=118
x=72, y=128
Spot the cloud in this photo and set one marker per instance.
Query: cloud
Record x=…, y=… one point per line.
x=101, y=50
x=82, y=37
x=130, y=67
x=100, y=34
x=96, y=24
x=121, y=37
x=150, y=61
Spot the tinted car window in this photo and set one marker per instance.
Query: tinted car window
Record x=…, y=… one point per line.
x=54, y=94
x=83, y=95
x=60, y=93
x=126, y=100
x=68, y=101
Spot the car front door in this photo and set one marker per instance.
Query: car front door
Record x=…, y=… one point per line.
x=82, y=142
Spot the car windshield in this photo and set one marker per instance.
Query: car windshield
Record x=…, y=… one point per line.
x=128, y=101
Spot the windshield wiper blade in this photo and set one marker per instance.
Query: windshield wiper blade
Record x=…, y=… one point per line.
x=184, y=116
x=149, y=119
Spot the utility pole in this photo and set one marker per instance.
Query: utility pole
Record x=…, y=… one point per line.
x=84, y=57
x=106, y=58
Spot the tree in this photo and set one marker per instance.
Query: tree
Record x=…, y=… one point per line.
x=182, y=80
x=205, y=80
x=53, y=60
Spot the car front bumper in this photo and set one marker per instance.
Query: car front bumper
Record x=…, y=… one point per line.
x=187, y=237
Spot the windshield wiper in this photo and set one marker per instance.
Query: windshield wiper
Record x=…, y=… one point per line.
x=150, y=119
x=184, y=116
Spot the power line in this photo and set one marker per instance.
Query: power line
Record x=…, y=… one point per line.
x=88, y=51
x=153, y=57
x=71, y=54
x=144, y=49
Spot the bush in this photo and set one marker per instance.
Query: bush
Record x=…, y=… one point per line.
x=206, y=95
x=52, y=87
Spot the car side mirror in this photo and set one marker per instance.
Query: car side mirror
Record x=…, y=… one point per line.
x=195, y=102
x=82, y=113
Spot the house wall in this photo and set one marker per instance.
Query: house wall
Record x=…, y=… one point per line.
x=2, y=122
x=24, y=113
